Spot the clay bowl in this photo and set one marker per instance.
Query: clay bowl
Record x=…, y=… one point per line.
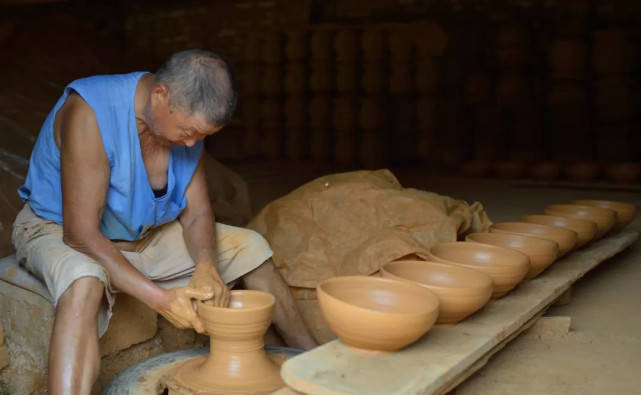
x=566, y=239
x=625, y=211
x=476, y=168
x=582, y=171
x=237, y=362
x=461, y=291
x=604, y=218
x=540, y=251
x=506, y=267
x=509, y=169
x=585, y=230
x=624, y=172
x=545, y=171
x=376, y=313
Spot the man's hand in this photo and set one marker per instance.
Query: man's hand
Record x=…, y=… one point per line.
x=179, y=310
x=206, y=276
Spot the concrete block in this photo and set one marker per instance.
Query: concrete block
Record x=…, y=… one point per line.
x=132, y=322
x=549, y=328
x=28, y=319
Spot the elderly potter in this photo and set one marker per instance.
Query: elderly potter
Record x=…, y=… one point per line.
x=116, y=200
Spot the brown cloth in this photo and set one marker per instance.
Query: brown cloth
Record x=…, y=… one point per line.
x=352, y=223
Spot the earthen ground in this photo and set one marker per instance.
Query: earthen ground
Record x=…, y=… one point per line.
x=601, y=352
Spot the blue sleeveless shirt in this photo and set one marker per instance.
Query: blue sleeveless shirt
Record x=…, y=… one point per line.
x=130, y=207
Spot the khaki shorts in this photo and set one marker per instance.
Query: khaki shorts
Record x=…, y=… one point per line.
x=161, y=256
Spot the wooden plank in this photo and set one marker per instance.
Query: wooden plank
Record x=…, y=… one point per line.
x=445, y=356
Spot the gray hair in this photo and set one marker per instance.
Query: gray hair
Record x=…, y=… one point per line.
x=201, y=82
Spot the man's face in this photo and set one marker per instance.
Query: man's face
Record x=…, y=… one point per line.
x=174, y=126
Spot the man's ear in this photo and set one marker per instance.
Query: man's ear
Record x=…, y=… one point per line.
x=160, y=95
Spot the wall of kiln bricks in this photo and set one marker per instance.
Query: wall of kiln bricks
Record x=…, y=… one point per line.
x=500, y=80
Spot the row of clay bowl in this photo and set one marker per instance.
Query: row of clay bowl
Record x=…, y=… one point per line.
x=390, y=312
x=620, y=172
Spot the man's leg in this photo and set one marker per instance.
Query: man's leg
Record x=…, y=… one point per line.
x=74, y=358
x=287, y=318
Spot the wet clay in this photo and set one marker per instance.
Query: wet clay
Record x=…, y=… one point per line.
x=506, y=267
x=586, y=230
x=604, y=218
x=375, y=313
x=237, y=362
x=565, y=238
x=461, y=291
x=542, y=253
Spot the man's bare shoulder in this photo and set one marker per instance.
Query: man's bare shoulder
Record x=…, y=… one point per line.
x=75, y=119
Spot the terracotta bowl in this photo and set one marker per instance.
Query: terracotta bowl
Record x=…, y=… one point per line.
x=461, y=291
x=604, y=218
x=566, y=239
x=545, y=171
x=624, y=172
x=377, y=313
x=585, y=230
x=625, y=211
x=509, y=169
x=506, y=267
x=582, y=171
x=476, y=168
x=540, y=251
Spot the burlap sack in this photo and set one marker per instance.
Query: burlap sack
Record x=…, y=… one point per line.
x=352, y=223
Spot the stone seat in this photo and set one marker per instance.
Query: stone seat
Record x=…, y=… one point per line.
x=27, y=316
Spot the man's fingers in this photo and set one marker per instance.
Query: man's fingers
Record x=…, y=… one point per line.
x=198, y=325
x=218, y=297
x=227, y=297
x=202, y=293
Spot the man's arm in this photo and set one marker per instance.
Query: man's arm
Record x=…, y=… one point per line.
x=85, y=179
x=199, y=232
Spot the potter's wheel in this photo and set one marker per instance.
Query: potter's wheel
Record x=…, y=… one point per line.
x=150, y=377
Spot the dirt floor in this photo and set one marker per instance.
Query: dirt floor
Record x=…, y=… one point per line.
x=601, y=352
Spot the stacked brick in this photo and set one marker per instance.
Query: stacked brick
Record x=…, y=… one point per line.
x=346, y=53
x=295, y=86
x=616, y=102
x=371, y=117
x=323, y=93
x=517, y=98
x=570, y=136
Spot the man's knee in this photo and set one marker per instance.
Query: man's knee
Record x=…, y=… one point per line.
x=83, y=296
x=254, y=244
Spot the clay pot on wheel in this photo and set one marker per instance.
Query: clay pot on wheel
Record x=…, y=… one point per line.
x=237, y=362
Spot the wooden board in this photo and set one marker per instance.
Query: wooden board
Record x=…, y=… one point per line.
x=444, y=357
